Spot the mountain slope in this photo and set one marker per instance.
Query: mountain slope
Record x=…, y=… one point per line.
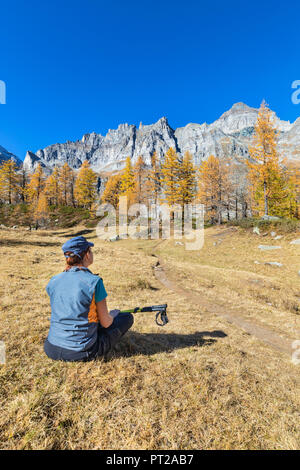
x=5, y=155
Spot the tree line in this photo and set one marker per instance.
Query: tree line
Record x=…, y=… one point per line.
x=266, y=185
x=41, y=193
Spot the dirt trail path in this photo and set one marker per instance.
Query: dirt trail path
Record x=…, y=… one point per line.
x=269, y=337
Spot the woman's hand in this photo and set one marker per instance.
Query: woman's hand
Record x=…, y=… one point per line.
x=114, y=313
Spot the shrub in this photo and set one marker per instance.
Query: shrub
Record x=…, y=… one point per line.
x=67, y=210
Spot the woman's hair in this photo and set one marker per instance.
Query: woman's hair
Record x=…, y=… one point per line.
x=73, y=260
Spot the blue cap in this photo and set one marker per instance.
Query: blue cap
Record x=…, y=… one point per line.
x=76, y=245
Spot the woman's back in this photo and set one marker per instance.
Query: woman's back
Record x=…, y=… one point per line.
x=73, y=309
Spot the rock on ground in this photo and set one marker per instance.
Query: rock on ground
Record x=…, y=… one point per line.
x=269, y=217
x=274, y=263
x=269, y=247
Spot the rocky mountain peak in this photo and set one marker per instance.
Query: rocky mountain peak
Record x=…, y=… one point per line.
x=239, y=117
x=31, y=161
x=240, y=107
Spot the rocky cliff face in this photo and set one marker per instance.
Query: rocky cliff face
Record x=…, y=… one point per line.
x=5, y=155
x=230, y=134
x=289, y=142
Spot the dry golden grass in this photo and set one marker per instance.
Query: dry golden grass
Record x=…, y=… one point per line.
x=185, y=386
x=226, y=270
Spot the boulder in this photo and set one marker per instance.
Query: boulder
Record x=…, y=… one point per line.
x=114, y=239
x=269, y=247
x=2, y=353
x=270, y=218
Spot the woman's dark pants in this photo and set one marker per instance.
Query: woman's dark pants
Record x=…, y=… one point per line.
x=107, y=339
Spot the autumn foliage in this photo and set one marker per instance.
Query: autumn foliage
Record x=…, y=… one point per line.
x=270, y=184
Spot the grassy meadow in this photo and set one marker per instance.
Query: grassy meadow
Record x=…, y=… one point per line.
x=200, y=382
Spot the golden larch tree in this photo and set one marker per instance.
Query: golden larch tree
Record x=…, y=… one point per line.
x=187, y=180
x=237, y=196
x=265, y=174
x=170, y=175
x=112, y=190
x=213, y=187
x=139, y=176
x=41, y=210
x=22, y=185
x=128, y=187
x=85, y=190
x=153, y=180
x=52, y=187
x=36, y=184
x=282, y=202
x=66, y=182
x=9, y=180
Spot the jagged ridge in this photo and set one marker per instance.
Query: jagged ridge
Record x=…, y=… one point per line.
x=230, y=134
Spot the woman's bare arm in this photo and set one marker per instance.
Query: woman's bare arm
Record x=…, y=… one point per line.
x=103, y=314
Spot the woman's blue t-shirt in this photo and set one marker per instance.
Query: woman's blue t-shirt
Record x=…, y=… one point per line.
x=100, y=292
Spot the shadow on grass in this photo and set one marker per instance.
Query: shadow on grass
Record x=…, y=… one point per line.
x=133, y=344
x=77, y=234
x=11, y=242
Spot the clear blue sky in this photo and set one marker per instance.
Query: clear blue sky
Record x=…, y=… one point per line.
x=74, y=66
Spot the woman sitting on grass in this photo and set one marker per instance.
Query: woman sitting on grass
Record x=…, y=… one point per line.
x=81, y=327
